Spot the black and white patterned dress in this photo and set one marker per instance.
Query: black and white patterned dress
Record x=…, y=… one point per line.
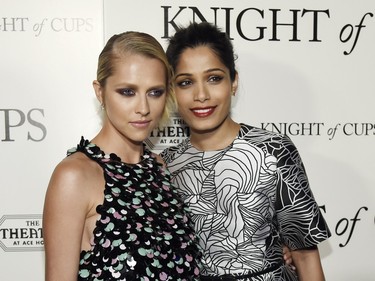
x=246, y=201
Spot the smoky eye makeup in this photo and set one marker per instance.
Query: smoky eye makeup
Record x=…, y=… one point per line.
x=157, y=92
x=127, y=92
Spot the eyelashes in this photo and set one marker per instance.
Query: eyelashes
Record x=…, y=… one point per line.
x=212, y=79
x=215, y=78
x=184, y=83
x=157, y=93
x=128, y=92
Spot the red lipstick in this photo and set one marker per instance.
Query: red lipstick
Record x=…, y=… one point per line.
x=202, y=112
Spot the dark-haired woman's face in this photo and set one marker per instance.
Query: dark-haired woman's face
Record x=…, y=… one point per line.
x=203, y=89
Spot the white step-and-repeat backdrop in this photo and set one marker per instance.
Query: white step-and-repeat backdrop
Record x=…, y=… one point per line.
x=306, y=69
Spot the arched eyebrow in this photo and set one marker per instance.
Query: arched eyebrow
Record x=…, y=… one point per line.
x=183, y=74
x=206, y=71
x=214, y=69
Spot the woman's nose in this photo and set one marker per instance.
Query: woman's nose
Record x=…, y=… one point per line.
x=143, y=107
x=201, y=94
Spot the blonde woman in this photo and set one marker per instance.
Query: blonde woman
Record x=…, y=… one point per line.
x=111, y=212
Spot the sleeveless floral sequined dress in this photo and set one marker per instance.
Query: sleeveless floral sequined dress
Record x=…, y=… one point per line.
x=143, y=231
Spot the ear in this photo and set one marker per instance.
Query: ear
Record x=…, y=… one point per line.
x=235, y=84
x=98, y=91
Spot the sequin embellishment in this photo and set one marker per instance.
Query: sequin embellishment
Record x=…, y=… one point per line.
x=144, y=231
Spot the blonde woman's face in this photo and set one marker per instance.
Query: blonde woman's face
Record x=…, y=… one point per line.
x=134, y=96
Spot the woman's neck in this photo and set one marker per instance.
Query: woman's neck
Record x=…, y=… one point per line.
x=128, y=151
x=216, y=139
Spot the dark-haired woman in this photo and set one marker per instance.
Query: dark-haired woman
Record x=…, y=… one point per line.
x=247, y=187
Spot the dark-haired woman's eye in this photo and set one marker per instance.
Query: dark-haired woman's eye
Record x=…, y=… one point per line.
x=183, y=83
x=215, y=78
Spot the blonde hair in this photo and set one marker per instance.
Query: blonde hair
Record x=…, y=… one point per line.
x=137, y=43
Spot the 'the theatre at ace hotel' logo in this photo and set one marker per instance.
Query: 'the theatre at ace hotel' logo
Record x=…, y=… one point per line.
x=170, y=135
x=21, y=233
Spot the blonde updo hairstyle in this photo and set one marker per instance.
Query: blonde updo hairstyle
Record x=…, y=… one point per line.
x=132, y=42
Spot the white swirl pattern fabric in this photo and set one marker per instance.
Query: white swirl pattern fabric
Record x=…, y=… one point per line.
x=246, y=201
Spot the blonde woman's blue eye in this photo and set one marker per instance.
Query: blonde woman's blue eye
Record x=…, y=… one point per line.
x=157, y=93
x=126, y=92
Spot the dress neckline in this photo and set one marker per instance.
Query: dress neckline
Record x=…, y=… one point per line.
x=221, y=149
x=96, y=152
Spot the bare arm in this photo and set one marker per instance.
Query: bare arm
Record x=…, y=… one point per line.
x=287, y=256
x=64, y=216
x=307, y=262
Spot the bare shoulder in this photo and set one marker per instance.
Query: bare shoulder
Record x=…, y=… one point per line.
x=75, y=188
x=74, y=175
